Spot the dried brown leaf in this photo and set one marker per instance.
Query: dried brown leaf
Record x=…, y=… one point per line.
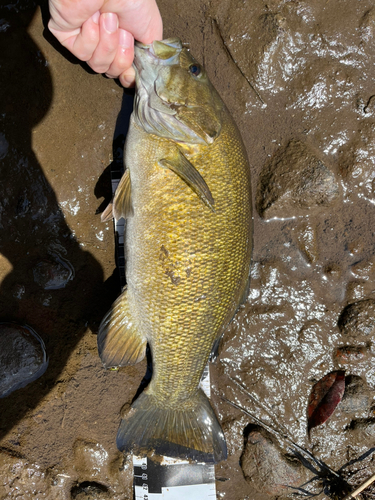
x=325, y=396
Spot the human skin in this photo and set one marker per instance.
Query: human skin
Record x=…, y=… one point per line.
x=102, y=32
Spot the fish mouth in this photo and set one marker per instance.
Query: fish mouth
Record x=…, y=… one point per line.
x=165, y=52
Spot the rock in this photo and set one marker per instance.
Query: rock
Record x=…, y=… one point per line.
x=357, y=396
x=267, y=468
x=358, y=318
x=294, y=182
x=53, y=273
x=23, y=357
x=350, y=354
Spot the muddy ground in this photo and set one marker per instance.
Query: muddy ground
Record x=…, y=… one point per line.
x=298, y=78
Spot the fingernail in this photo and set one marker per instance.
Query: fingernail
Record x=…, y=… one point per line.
x=110, y=21
x=126, y=39
x=95, y=17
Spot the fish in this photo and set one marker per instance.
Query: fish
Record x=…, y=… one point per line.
x=186, y=197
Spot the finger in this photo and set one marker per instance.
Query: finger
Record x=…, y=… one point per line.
x=152, y=28
x=85, y=42
x=141, y=18
x=106, y=49
x=124, y=55
x=62, y=36
x=69, y=15
x=127, y=78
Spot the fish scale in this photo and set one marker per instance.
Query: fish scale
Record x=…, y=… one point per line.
x=188, y=249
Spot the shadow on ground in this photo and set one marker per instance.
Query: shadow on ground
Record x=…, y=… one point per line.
x=34, y=233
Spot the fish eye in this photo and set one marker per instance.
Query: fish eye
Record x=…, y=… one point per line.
x=195, y=69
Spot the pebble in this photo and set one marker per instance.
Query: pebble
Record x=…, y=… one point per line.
x=350, y=354
x=307, y=242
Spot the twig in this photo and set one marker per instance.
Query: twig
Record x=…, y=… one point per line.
x=282, y=435
x=356, y=492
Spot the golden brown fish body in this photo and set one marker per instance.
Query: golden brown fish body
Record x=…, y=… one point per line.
x=188, y=250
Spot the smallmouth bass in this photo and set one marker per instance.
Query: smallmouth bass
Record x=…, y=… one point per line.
x=187, y=199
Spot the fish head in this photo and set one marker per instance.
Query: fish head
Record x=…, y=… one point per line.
x=174, y=97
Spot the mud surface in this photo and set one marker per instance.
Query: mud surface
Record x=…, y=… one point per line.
x=298, y=78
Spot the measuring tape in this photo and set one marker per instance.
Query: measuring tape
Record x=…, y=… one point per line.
x=168, y=478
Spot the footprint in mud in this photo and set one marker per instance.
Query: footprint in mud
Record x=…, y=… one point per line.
x=90, y=491
x=267, y=468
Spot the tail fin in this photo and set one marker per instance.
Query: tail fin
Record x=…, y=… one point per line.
x=191, y=431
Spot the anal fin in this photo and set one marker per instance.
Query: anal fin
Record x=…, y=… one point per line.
x=107, y=215
x=119, y=341
x=121, y=205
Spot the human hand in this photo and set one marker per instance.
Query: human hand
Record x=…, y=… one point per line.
x=102, y=32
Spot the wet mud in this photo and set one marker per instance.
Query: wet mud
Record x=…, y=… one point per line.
x=298, y=78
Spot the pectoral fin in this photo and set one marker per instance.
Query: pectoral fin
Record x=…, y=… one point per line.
x=119, y=341
x=181, y=166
